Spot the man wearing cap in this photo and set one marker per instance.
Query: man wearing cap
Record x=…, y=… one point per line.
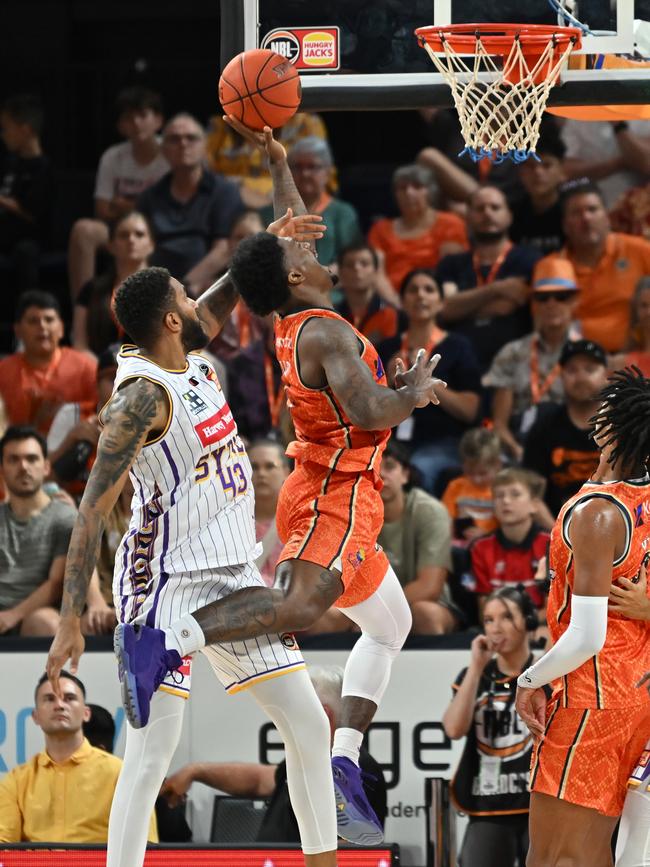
x=559, y=445
x=526, y=372
x=607, y=264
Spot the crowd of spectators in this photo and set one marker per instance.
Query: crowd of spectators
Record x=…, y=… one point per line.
x=528, y=280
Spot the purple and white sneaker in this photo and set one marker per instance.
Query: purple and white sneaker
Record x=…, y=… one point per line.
x=143, y=663
x=356, y=821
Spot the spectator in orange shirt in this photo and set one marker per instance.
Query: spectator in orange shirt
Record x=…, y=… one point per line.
x=608, y=265
x=637, y=347
x=421, y=235
x=42, y=376
x=362, y=305
x=469, y=498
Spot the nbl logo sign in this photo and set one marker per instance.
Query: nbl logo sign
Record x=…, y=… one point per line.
x=284, y=43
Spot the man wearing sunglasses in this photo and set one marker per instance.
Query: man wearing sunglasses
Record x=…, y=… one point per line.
x=526, y=372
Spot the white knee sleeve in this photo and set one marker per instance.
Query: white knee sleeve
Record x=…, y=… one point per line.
x=298, y=715
x=385, y=621
x=148, y=753
x=633, y=843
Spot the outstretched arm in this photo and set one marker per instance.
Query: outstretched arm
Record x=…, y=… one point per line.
x=285, y=192
x=596, y=533
x=333, y=348
x=140, y=408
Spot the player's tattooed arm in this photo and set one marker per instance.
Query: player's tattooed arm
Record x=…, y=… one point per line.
x=216, y=304
x=330, y=355
x=133, y=414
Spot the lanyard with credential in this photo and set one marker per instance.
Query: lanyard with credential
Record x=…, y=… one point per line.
x=494, y=270
x=538, y=389
x=407, y=353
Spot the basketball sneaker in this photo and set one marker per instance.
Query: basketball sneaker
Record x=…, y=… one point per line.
x=356, y=821
x=143, y=663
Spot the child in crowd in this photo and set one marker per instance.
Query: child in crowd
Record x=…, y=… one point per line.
x=125, y=171
x=468, y=498
x=509, y=557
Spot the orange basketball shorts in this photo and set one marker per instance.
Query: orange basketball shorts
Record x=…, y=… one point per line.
x=333, y=518
x=587, y=755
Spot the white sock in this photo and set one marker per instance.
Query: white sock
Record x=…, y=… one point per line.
x=184, y=635
x=347, y=742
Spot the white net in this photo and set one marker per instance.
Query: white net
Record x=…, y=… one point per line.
x=500, y=100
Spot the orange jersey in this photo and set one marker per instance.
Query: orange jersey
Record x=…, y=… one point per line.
x=325, y=434
x=608, y=679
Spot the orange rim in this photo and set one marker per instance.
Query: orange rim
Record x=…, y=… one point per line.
x=497, y=39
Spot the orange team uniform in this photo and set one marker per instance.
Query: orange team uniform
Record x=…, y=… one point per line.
x=597, y=720
x=330, y=511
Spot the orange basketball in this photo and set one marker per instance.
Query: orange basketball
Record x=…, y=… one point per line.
x=260, y=88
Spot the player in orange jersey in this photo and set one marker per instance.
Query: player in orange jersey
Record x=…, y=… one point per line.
x=330, y=510
x=590, y=734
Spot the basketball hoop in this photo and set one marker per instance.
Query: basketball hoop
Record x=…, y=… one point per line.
x=500, y=77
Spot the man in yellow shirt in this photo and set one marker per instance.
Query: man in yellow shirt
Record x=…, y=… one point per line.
x=63, y=794
x=608, y=265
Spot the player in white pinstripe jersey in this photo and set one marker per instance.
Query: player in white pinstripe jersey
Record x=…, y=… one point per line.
x=191, y=540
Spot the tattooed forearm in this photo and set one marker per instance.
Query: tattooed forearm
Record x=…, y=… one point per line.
x=82, y=557
x=129, y=417
x=217, y=303
x=285, y=192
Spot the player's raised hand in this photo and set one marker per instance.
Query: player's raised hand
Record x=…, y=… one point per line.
x=419, y=379
x=531, y=707
x=68, y=644
x=303, y=228
x=263, y=141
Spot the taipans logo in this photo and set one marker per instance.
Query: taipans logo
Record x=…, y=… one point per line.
x=356, y=558
x=379, y=369
x=196, y=402
x=288, y=640
x=319, y=49
x=284, y=43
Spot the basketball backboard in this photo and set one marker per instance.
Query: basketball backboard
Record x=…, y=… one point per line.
x=363, y=55
x=609, y=23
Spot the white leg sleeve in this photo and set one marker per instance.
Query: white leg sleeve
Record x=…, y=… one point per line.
x=385, y=621
x=633, y=844
x=293, y=706
x=148, y=753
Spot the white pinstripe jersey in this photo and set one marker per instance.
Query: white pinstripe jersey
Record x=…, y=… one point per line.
x=193, y=506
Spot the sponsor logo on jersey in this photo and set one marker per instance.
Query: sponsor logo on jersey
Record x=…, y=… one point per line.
x=288, y=639
x=356, y=558
x=379, y=369
x=217, y=427
x=196, y=402
x=209, y=374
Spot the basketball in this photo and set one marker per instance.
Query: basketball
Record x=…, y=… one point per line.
x=260, y=88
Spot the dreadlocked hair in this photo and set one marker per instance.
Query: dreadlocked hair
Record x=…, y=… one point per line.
x=625, y=415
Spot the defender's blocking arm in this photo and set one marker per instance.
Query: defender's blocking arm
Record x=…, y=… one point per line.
x=131, y=416
x=218, y=301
